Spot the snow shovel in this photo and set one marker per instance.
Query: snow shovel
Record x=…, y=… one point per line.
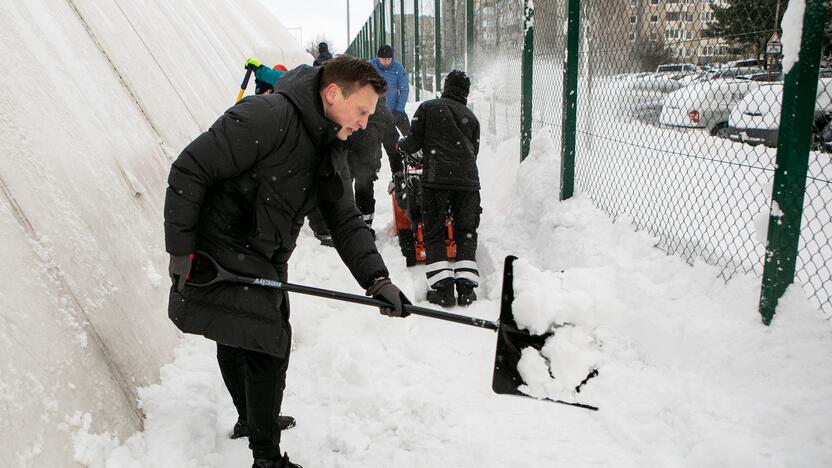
x=243, y=85
x=510, y=340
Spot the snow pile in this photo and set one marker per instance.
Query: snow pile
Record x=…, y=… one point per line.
x=96, y=99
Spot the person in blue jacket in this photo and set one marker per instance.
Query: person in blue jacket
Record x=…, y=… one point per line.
x=397, y=86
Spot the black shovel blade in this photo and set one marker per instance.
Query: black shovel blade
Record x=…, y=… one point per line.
x=510, y=340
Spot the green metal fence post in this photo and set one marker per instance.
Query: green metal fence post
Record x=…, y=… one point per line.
x=469, y=35
x=374, y=31
x=402, y=34
x=437, y=42
x=570, y=101
x=392, y=24
x=527, y=79
x=794, y=140
x=417, y=48
x=382, y=18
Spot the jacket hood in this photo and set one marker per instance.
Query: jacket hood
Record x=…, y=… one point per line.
x=300, y=86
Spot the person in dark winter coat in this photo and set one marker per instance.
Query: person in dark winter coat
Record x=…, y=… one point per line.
x=448, y=134
x=323, y=54
x=397, y=86
x=364, y=162
x=239, y=192
x=364, y=158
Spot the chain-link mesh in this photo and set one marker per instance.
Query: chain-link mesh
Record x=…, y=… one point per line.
x=678, y=121
x=678, y=115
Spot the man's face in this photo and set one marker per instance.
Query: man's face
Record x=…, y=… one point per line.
x=352, y=112
x=385, y=62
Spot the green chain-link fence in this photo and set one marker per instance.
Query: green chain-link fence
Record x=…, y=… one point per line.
x=677, y=118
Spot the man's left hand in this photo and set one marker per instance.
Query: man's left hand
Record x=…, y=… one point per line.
x=385, y=290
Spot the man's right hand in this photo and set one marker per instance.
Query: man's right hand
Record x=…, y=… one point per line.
x=180, y=269
x=252, y=64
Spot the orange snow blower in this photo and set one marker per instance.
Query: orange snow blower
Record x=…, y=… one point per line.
x=407, y=208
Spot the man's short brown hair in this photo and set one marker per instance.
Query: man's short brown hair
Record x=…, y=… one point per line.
x=351, y=73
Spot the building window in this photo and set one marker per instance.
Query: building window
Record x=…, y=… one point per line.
x=654, y=2
x=690, y=34
x=652, y=37
x=654, y=18
x=631, y=36
x=633, y=20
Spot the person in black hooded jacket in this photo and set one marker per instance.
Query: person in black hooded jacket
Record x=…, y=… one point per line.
x=448, y=134
x=364, y=162
x=323, y=54
x=239, y=192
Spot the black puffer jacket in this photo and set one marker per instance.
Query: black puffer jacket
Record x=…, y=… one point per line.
x=365, y=153
x=448, y=134
x=240, y=192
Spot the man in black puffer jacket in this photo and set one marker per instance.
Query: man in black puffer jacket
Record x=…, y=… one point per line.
x=448, y=134
x=239, y=192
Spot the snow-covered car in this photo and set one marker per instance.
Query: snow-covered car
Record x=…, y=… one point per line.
x=826, y=137
x=645, y=94
x=705, y=105
x=733, y=72
x=676, y=68
x=756, y=118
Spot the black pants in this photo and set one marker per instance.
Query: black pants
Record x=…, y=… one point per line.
x=363, y=176
x=255, y=382
x=402, y=122
x=465, y=209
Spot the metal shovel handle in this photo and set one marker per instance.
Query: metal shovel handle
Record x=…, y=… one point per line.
x=225, y=275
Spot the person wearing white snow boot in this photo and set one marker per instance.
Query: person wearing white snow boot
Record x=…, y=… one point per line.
x=448, y=134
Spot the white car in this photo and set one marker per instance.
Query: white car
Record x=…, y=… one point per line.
x=704, y=104
x=756, y=118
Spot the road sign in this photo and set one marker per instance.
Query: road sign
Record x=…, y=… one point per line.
x=774, y=46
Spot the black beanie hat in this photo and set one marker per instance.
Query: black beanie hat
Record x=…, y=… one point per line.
x=459, y=80
x=385, y=51
x=323, y=47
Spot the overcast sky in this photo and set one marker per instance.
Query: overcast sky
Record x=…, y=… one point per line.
x=322, y=17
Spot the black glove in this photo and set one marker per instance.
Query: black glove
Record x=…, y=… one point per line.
x=180, y=269
x=397, y=184
x=385, y=290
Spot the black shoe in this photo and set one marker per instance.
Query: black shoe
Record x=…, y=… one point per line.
x=285, y=422
x=325, y=239
x=282, y=462
x=240, y=429
x=442, y=294
x=465, y=294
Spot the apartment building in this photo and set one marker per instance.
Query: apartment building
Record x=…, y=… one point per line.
x=679, y=25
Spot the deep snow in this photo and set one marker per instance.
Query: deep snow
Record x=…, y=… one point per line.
x=688, y=374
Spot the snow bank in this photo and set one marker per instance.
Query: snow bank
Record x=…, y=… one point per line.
x=97, y=97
